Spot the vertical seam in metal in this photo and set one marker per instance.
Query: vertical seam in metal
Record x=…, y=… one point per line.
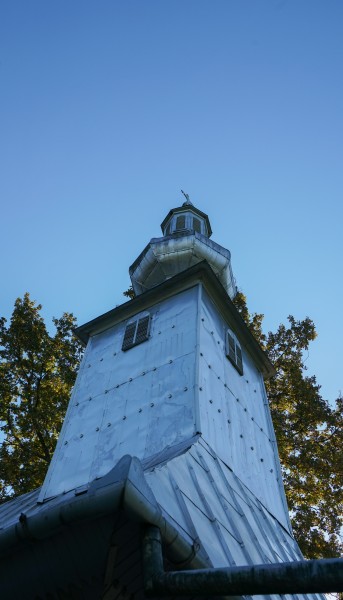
x=197, y=422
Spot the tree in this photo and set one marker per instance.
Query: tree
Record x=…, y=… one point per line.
x=309, y=432
x=37, y=372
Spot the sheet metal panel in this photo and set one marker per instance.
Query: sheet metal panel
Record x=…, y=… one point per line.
x=234, y=416
x=231, y=523
x=135, y=402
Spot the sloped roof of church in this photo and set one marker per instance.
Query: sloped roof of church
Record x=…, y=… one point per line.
x=87, y=540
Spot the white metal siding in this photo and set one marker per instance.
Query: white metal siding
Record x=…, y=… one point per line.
x=234, y=417
x=136, y=402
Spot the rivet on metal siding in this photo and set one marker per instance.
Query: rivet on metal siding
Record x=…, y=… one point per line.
x=261, y=428
x=66, y=443
x=124, y=417
x=101, y=359
x=108, y=424
x=241, y=435
x=201, y=354
x=97, y=428
x=271, y=470
x=219, y=410
x=209, y=366
x=212, y=332
x=237, y=399
x=245, y=410
x=89, y=399
x=229, y=421
x=117, y=386
x=89, y=366
x=139, y=410
x=200, y=388
x=173, y=326
x=247, y=380
x=114, y=354
x=261, y=459
x=255, y=391
x=159, y=333
x=185, y=389
x=154, y=369
x=203, y=319
x=218, y=342
x=77, y=403
x=171, y=360
x=218, y=376
x=143, y=372
x=169, y=395
x=130, y=379
x=225, y=385
x=211, y=401
x=252, y=418
x=106, y=391
x=81, y=435
x=152, y=404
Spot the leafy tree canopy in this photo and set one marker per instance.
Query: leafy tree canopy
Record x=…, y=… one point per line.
x=309, y=432
x=37, y=372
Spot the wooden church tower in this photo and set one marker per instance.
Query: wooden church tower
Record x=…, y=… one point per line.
x=167, y=439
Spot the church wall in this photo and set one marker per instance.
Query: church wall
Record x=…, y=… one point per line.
x=234, y=414
x=134, y=402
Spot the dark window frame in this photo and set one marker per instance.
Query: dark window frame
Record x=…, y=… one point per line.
x=136, y=332
x=234, y=351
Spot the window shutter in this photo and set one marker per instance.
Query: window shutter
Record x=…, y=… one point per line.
x=129, y=335
x=181, y=222
x=239, y=361
x=196, y=225
x=234, y=352
x=142, y=329
x=136, y=332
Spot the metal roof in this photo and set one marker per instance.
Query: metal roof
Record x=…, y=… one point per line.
x=199, y=273
x=79, y=538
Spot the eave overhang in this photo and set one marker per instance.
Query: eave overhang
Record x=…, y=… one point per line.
x=202, y=274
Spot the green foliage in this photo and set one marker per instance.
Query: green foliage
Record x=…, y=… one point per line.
x=129, y=293
x=37, y=372
x=309, y=433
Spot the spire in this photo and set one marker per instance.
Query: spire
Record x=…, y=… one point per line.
x=186, y=231
x=188, y=202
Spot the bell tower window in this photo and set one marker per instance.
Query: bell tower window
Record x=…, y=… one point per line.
x=180, y=222
x=196, y=224
x=136, y=332
x=234, y=351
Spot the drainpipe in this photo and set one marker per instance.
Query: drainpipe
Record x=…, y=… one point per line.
x=298, y=577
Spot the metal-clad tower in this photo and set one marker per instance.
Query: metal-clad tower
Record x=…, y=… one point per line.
x=168, y=426
x=175, y=363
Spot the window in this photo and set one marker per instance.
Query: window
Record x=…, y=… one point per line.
x=196, y=225
x=136, y=332
x=234, y=352
x=180, y=222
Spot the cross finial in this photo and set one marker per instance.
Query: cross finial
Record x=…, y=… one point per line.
x=187, y=197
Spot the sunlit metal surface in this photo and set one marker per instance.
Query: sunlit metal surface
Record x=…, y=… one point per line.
x=164, y=391
x=234, y=414
x=135, y=402
x=165, y=257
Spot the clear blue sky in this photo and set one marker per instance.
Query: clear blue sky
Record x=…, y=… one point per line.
x=108, y=108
